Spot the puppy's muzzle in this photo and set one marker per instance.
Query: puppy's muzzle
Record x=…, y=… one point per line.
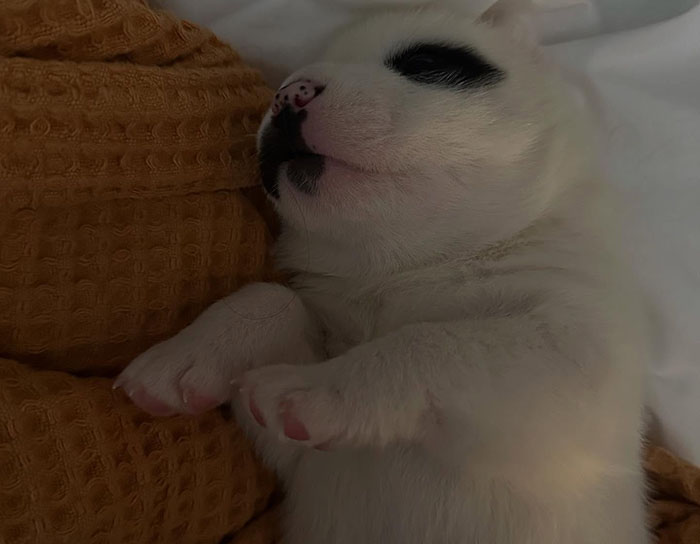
x=282, y=143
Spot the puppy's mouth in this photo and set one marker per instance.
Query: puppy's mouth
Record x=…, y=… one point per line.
x=281, y=143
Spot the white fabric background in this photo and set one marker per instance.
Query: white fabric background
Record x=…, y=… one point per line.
x=649, y=78
x=644, y=57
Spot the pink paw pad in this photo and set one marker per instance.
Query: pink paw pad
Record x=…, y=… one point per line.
x=150, y=404
x=293, y=427
x=197, y=403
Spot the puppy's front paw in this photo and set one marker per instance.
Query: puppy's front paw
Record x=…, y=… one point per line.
x=296, y=403
x=179, y=375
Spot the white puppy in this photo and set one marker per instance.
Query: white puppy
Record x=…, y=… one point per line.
x=458, y=337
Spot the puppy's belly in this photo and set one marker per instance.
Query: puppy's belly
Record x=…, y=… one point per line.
x=402, y=496
x=367, y=497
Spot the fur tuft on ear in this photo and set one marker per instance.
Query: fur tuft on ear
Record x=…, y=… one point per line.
x=516, y=16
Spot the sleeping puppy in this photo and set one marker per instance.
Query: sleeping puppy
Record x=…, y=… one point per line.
x=459, y=356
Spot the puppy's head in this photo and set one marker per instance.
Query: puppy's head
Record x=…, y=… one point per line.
x=417, y=129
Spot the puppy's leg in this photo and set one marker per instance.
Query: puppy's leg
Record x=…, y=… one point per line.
x=507, y=381
x=259, y=325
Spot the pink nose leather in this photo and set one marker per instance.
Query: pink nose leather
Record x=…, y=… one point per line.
x=296, y=95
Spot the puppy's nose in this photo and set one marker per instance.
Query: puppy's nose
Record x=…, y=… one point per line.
x=296, y=95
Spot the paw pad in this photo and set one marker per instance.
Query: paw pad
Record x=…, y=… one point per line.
x=293, y=427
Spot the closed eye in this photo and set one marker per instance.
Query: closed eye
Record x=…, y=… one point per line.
x=444, y=65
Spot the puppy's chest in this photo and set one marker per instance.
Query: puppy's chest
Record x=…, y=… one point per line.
x=352, y=315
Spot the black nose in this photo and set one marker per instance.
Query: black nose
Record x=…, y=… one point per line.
x=282, y=143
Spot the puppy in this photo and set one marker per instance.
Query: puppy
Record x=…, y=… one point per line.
x=459, y=356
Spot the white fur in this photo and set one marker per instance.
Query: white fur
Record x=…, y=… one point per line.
x=478, y=348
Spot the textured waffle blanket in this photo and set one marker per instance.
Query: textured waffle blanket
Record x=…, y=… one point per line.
x=675, y=509
x=127, y=205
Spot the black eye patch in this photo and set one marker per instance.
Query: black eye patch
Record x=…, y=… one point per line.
x=444, y=65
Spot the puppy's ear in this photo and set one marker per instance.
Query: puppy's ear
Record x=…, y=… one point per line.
x=515, y=16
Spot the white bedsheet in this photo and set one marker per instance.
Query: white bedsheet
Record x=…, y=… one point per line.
x=649, y=79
